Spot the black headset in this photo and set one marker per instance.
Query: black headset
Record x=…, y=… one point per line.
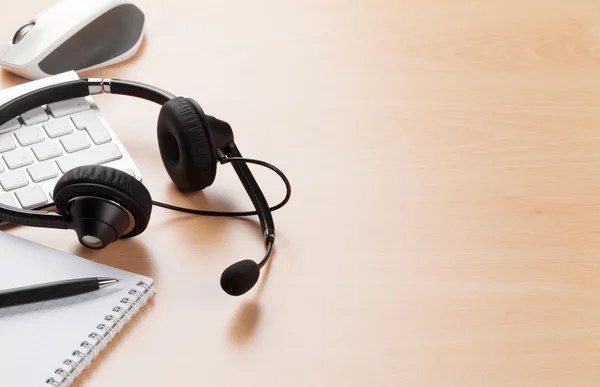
x=104, y=204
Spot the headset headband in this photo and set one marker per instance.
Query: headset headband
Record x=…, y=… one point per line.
x=59, y=92
x=79, y=89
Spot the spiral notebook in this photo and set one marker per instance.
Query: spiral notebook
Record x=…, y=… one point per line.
x=49, y=344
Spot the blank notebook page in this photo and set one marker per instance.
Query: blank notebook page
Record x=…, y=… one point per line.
x=66, y=334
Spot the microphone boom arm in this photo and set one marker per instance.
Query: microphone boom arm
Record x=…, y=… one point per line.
x=233, y=155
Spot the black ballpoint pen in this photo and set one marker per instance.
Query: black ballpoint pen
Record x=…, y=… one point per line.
x=53, y=290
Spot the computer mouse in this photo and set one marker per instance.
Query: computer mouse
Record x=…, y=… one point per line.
x=74, y=35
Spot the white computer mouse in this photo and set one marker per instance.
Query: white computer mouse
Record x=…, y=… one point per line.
x=74, y=35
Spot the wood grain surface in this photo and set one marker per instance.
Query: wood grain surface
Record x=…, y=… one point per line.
x=445, y=224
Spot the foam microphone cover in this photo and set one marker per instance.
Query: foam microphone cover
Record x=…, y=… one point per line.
x=240, y=277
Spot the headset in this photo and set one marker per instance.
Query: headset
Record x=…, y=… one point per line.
x=104, y=204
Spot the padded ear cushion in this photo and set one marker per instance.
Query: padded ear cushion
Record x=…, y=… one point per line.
x=109, y=183
x=186, y=145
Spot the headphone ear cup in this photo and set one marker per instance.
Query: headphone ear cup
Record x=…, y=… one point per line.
x=107, y=183
x=186, y=145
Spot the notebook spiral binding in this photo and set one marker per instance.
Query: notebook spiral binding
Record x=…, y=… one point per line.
x=82, y=357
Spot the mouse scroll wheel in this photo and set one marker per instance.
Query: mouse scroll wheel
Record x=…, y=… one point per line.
x=22, y=32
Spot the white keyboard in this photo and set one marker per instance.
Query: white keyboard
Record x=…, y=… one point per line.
x=38, y=147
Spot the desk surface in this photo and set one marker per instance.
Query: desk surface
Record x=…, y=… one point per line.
x=445, y=223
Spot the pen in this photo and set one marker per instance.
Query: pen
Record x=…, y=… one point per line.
x=53, y=290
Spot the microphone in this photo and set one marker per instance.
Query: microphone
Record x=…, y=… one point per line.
x=240, y=277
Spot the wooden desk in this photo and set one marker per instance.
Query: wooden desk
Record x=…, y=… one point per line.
x=445, y=223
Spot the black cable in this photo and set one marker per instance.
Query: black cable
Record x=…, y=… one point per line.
x=235, y=214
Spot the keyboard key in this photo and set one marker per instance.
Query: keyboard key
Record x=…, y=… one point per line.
x=83, y=119
x=47, y=150
x=64, y=108
x=17, y=158
x=10, y=125
x=7, y=200
x=75, y=142
x=89, y=121
x=29, y=135
x=6, y=143
x=35, y=116
x=94, y=156
x=13, y=180
x=58, y=128
x=42, y=171
x=31, y=197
